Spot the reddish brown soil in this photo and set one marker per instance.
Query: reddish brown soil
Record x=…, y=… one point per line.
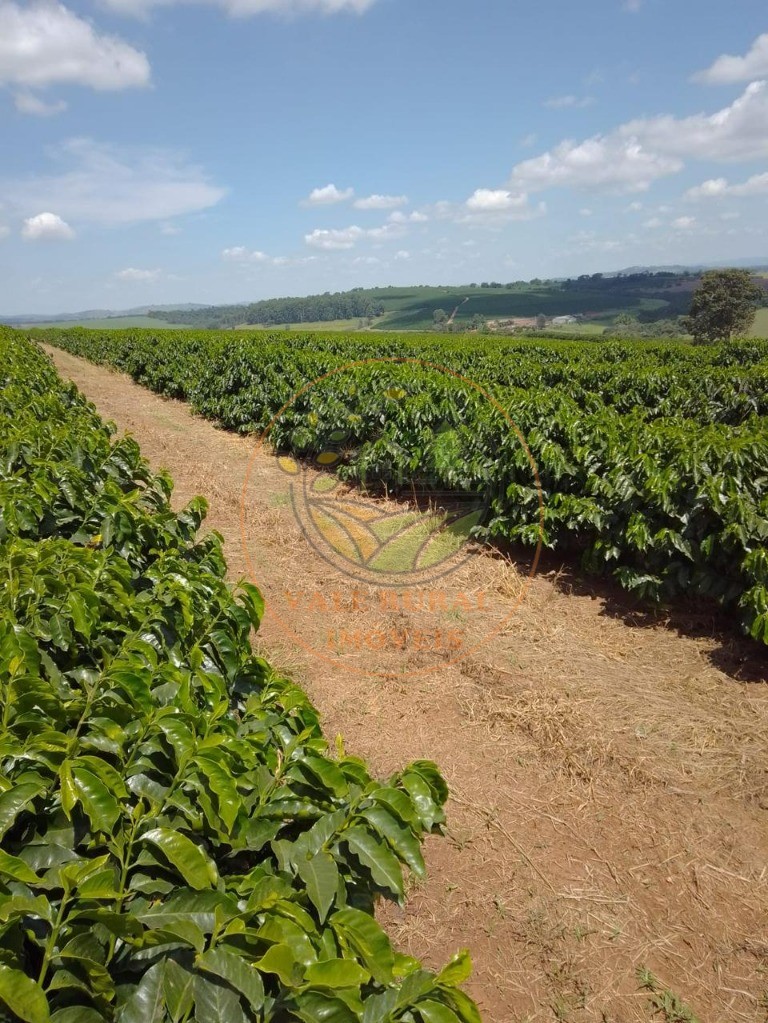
x=609, y=776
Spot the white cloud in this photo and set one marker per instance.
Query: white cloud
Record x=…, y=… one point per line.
x=585, y=212
x=253, y=257
x=568, y=102
x=46, y=227
x=708, y=189
x=4, y=231
x=636, y=154
x=684, y=223
x=43, y=42
x=329, y=195
x=138, y=276
x=737, y=132
x=495, y=200
x=415, y=217
x=29, y=103
x=633, y=6
x=402, y=254
x=600, y=163
x=716, y=187
x=394, y=229
x=729, y=69
x=245, y=8
x=169, y=229
x=491, y=207
x=330, y=240
x=634, y=207
x=109, y=185
x=486, y=208
x=239, y=254
x=334, y=239
x=380, y=202
x=654, y=222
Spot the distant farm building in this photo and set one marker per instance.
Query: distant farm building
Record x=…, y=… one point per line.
x=563, y=321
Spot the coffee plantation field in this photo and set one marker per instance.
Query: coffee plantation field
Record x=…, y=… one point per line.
x=651, y=457
x=176, y=842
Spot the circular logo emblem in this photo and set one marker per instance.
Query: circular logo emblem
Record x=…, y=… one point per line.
x=385, y=532
x=391, y=521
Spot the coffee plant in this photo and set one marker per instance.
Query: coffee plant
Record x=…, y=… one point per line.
x=652, y=457
x=177, y=844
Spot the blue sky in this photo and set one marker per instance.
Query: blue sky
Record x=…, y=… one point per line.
x=227, y=150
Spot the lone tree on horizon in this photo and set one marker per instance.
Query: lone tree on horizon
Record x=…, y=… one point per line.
x=724, y=304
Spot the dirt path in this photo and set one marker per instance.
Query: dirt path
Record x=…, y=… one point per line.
x=609, y=783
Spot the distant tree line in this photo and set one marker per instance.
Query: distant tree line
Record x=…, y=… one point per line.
x=649, y=304
x=621, y=282
x=280, y=311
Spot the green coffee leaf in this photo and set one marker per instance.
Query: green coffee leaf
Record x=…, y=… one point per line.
x=23, y=996
x=235, y=971
x=189, y=860
x=374, y=854
x=336, y=973
x=321, y=876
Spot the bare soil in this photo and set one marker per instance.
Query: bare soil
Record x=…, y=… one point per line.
x=608, y=771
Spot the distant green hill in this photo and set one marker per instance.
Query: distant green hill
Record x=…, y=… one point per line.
x=595, y=299
x=648, y=302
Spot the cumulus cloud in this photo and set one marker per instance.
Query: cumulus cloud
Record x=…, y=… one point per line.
x=607, y=163
x=737, y=132
x=635, y=155
x=496, y=200
x=568, y=102
x=380, y=202
x=46, y=227
x=44, y=42
x=684, y=223
x=729, y=69
x=415, y=217
x=334, y=239
x=136, y=275
x=716, y=187
x=329, y=195
x=487, y=207
x=239, y=254
x=246, y=8
x=112, y=186
x=29, y=103
x=393, y=229
x=254, y=257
